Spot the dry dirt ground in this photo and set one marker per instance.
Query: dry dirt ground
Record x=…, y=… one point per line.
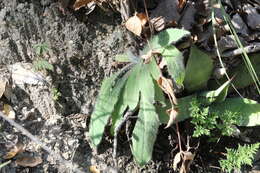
x=81, y=49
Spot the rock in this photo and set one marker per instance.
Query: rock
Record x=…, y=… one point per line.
x=253, y=17
x=239, y=25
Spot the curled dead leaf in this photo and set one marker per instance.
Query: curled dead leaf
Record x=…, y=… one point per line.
x=187, y=155
x=143, y=18
x=18, y=148
x=186, y=161
x=29, y=161
x=93, y=169
x=173, y=115
x=136, y=23
x=181, y=4
x=167, y=86
x=177, y=159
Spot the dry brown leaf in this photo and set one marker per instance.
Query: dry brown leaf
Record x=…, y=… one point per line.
x=29, y=161
x=173, y=115
x=177, y=159
x=181, y=4
x=18, y=148
x=186, y=162
x=167, y=86
x=188, y=156
x=8, y=111
x=93, y=169
x=81, y=3
x=143, y=18
x=136, y=23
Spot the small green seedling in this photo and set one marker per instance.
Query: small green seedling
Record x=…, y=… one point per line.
x=41, y=63
x=56, y=94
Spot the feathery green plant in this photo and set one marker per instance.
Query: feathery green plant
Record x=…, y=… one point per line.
x=236, y=158
x=40, y=63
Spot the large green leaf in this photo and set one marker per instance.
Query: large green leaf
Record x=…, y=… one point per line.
x=154, y=69
x=107, y=98
x=168, y=37
x=183, y=108
x=165, y=38
x=132, y=87
x=117, y=114
x=146, y=127
x=198, y=70
x=248, y=109
x=174, y=60
x=205, y=98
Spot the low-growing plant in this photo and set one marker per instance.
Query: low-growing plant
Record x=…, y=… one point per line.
x=205, y=121
x=236, y=158
x=41, y=48
x=137, y=87
x=55, y=94
x=41, y=63
x=141, y=87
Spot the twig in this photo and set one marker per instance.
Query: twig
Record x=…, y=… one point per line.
x=255, y=47
x=45, y=147
x=179, y=136
x=127, y=115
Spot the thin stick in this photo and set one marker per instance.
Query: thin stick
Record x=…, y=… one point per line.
x=45, y=147
x=179, y=136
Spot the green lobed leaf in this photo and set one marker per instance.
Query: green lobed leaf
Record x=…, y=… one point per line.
x=154, y=69
x=129, y=97
x=198, y=70
x=117, y=114
x=174, y=60
x=146, y=127
x=107, y=98
x=132, y=87
x=166, y=38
